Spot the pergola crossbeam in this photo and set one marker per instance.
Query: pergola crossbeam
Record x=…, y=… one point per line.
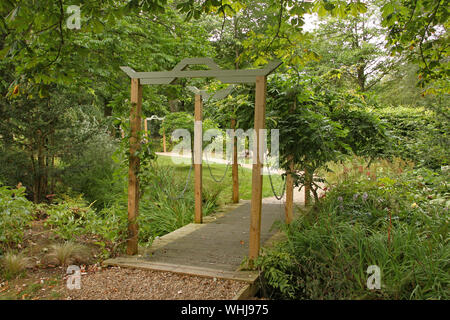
x=172, y=80
x=226, y=76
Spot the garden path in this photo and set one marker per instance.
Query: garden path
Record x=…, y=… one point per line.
x=214, y=249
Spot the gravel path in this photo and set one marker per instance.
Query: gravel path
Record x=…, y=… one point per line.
x=132, y=284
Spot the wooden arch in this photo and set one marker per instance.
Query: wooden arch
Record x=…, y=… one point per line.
x=257, y=76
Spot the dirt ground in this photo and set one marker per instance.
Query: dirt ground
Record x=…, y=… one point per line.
x=117, y=284
x=45, y=280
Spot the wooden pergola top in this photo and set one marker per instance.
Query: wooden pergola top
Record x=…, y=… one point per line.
x=225, y=76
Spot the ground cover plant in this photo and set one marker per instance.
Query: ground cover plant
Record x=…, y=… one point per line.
x=165, y=208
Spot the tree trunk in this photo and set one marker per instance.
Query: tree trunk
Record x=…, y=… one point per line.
x=52, y=165
x=361, y=77
x=107, y=110
x=307, y=187
x=173, y=105
x=40, y=173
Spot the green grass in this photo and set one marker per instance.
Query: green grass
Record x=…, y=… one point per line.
x=218, y=170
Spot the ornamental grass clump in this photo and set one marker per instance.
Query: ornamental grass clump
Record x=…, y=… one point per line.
x=65, y=253
x=14, y=264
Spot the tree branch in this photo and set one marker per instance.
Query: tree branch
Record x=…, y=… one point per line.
x=280, y=19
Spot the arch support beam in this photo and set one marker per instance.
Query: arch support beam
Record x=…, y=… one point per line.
x=133, y=168
x=235, y=165
x=181, y=70
x=198, y=137
x=257, y=177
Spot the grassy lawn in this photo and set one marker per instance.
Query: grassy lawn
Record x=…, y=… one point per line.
x=218, y=170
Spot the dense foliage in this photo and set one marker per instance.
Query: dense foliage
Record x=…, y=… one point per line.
x=417, y=134
x=389, y=215
x=15, y=216
x=162, y=210
x=364, y=79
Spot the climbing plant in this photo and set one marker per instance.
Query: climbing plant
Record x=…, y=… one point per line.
x=318, y=126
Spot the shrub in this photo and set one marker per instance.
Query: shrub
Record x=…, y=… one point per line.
x=91, y=171
x=110, y=222
x=73, y=217
x=391, y=220
x=15, y=166
x=15, y=216
x=417, y=134
x=69, y=217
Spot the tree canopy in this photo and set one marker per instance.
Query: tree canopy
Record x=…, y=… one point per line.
x=61, y=86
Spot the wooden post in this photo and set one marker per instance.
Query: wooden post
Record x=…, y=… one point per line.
x=289, y=206
x=133, y=182
x=235, y=165
x=257, y=178
x=198, y=137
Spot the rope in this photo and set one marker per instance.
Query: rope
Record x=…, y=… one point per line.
x=185, y=186
x=242, y=171
x=273, y=189
x=210, y=171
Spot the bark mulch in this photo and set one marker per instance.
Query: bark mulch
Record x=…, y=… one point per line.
x=132, y=284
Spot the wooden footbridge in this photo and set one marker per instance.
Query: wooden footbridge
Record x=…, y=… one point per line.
x=216, y=248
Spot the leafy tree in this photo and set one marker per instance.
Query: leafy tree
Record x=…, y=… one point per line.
x=43, y=130
x=351, y=50
x=56, y=83
x=183, y=120
x=284, y=37
x=318, y=125
x=420, y=28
